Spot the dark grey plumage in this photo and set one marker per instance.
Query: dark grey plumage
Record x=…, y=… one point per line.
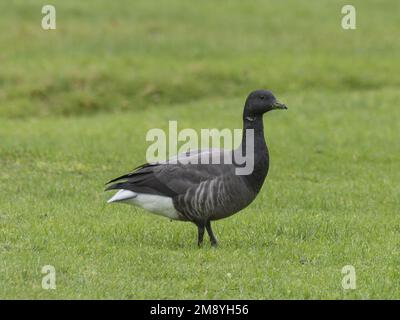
x=202, y=192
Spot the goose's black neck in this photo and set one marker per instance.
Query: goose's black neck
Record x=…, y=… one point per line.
x=259, y=152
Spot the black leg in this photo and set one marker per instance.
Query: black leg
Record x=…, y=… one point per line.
x=213, y=239
x=200, y=229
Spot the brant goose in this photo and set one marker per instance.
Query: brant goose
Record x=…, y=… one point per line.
x=181, y=188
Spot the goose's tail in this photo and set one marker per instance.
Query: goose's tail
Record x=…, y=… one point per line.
x=122, y=195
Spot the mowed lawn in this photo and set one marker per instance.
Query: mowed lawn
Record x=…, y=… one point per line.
x=76, y=104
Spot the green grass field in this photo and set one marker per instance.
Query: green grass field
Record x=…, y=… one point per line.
x=76, y=104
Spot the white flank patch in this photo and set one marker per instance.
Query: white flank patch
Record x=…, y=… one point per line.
x=160, y=205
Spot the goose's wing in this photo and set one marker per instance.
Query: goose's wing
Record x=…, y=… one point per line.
x=176, y=175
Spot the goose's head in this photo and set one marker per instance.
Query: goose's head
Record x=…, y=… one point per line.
x=259, y=102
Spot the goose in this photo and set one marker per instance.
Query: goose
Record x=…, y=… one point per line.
x=180, y=188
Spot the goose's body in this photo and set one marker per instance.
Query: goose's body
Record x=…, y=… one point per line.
x=202, y=191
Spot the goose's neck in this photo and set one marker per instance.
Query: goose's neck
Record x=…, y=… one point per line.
x=255, y=128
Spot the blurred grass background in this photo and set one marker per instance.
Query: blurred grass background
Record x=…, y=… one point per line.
x=118, y=57
x=75, y=106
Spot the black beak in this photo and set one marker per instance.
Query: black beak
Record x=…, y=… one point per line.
x=278, y=105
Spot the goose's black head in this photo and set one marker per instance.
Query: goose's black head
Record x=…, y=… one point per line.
x=259, y=102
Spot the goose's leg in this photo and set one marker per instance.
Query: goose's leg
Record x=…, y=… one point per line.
x=213, y=239
x=200, y=229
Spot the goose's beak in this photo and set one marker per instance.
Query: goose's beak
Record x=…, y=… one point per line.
x=278, y=105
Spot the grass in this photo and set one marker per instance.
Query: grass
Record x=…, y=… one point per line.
x=77, y=102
